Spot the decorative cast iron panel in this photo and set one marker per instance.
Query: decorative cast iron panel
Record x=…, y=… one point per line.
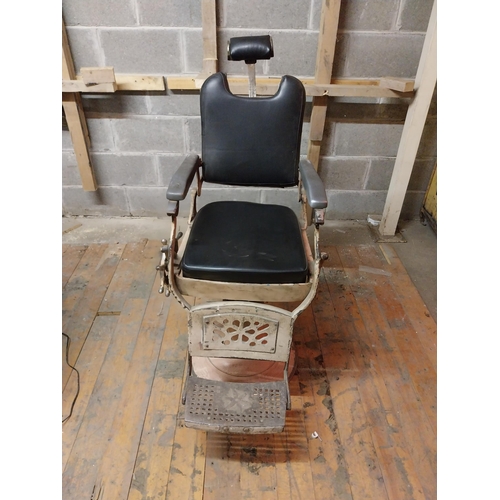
x=239, y=333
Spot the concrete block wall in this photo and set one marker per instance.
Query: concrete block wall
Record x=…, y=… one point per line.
x=139, y=138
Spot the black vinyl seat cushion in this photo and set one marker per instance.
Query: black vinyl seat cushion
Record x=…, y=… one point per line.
x=237, y=241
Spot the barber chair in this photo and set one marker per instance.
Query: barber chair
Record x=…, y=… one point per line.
x=238, y=259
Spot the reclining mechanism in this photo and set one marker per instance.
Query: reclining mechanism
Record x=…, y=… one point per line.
x=238, y=259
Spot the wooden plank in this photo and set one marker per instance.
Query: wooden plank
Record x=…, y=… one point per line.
x=75, y=286
x=380, y=352
x=82, y=295
x=137, y=260
x=269, y=86
x=327, y=40
x=209, y=34
x=355, y=81
x=150, y=476
x=257, y=467
x=80, y=86
x=422, y=373
x=425, y=82
x=77, y=323
x=76, y=226
x=353, y=90
x=119, y=457
x=326, y=453
x=400, y=479
x=74, y=117
x=355, y=386
x=91, y=76
x=110, y=383
x=318, y=117
x=398, y=84
x=70, y=261
x=181, y=82
x=353, y=426
x=222, y=466
x=151, y=472
x=81, y=472
x=294, y=473
x=340, y=350
x=186, y=82
x=419, y=368
x=68, y=68
x=186, y=473
x=339, y=346
x=414, y=306
x=77, y=125
x=344, y=370
x=330, y=12
x=123, y=83
x=88, y=364
x=320, y=91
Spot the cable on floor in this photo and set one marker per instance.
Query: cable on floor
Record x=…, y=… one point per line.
x=68, y=342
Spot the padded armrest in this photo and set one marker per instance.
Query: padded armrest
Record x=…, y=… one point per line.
x=315, y=190
x=181, y=180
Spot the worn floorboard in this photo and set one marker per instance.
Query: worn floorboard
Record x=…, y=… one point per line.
x=365, y=383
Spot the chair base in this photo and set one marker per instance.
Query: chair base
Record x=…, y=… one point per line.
x=248, y=408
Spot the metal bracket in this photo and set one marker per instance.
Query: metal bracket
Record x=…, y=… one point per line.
x=319, y=215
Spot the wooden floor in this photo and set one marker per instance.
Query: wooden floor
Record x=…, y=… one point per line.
x=365, y=383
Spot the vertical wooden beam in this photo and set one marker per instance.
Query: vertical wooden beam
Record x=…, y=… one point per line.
x=323, y=75
x=425, y=83
x=73, y=109
x=209, y=32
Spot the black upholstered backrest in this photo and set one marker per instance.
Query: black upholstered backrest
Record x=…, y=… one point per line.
x=251, y=141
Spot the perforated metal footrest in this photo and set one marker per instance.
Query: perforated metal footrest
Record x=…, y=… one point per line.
x=253, y=408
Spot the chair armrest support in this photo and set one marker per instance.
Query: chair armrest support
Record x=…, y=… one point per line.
x=313, y=185
x=183, y=177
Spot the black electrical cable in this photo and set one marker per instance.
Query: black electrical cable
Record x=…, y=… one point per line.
x=68, y=342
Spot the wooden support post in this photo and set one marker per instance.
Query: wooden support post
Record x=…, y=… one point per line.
x=73, y=109
x=209, y=30
x=323, y=75
x=425, y=83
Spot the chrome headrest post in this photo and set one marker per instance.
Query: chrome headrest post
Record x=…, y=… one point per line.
x=250, y=49
x=252, y=84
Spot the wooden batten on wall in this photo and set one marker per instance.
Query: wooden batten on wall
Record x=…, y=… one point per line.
x=327, y=39
x=75, y=118
x=425, y=83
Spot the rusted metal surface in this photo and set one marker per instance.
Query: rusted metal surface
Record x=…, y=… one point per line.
x=232, y=407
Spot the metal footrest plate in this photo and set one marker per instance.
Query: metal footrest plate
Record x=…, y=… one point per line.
x=253, y=408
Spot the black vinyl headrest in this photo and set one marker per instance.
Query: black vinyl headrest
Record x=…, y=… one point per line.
x=250, y=48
